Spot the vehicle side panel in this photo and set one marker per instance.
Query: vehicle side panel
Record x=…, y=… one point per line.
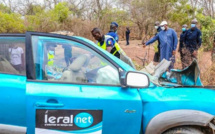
x=115, y=102
x=159, y=99
x=12, y=102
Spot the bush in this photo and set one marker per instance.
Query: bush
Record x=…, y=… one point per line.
x=11, y=23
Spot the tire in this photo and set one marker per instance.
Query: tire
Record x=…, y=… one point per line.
x=183, y=130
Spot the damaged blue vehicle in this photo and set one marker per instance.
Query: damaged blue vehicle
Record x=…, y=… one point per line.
x=70, y=85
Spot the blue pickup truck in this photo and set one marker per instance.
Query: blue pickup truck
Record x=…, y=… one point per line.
x=70, y=85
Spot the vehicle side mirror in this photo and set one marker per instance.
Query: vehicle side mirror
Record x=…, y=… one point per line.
x=136, y=80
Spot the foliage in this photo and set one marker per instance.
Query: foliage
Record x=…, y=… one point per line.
x=4, y=9
x=117, y=15
x=11, y=23
x=34, y=9
x=138, y=14
x=184, y=13
x=208, y=29
x=60, y=12
x=43, y=22
x=47, y=21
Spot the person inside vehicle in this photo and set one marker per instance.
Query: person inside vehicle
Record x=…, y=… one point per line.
x=50, y=68
x=67, y=53
x=50, y=55
x=17, y=57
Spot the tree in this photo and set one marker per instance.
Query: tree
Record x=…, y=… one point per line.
x=5, y=9
x=60, y=12
x=11, y=23
x=182, y=13
x=34, y=9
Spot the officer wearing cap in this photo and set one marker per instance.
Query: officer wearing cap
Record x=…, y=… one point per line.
x=193, y=41
x=182, y=44
x=113, y=31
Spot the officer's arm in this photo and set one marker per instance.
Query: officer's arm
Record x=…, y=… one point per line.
x=116, y=38
x=185, y=38
x=199, y=39
x=181, y=40
x=175, y=40
x=110, y=44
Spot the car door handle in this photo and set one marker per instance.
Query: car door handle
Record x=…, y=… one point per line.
x=46, y=104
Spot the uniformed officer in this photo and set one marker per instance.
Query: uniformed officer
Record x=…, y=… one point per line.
x=182, y=45
x=50, y=55
x=113, y=31
x=50, y=70
x=106, y=42
x=193, y=41
x=127, y=33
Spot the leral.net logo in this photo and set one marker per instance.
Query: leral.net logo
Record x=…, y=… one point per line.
x=81, y=120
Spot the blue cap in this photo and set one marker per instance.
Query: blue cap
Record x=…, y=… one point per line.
x=115, y=24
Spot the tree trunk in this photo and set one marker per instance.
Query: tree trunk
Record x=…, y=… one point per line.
x=140, y=27
x=140, y=34
x=99, y=12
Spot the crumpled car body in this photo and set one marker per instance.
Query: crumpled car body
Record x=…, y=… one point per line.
x=190, y=76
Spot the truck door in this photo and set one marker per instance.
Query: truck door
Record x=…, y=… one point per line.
x=73, y=87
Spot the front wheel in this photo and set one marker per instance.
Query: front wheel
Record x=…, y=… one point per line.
x=184, y=130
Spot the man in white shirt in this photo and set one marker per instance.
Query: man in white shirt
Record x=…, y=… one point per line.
x=17, y=57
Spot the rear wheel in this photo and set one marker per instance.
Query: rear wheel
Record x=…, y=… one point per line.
x=184, y=130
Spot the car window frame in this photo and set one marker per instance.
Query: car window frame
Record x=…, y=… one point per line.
x=14, y=35
x=30, y=69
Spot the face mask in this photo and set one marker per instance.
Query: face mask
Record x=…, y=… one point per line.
x=193, y=25
x=162, y=28
x=156, y=27
x=51, y=52
x=183, y=29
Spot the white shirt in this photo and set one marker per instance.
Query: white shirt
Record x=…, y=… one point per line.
x=16, y=55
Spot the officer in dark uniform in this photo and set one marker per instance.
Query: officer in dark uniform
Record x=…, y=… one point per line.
x=127, y=35
x=182, y=44
x=157, y=54
x=193, y=41
x=113, y=31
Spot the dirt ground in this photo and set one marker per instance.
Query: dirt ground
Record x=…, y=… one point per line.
x=134, y=50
